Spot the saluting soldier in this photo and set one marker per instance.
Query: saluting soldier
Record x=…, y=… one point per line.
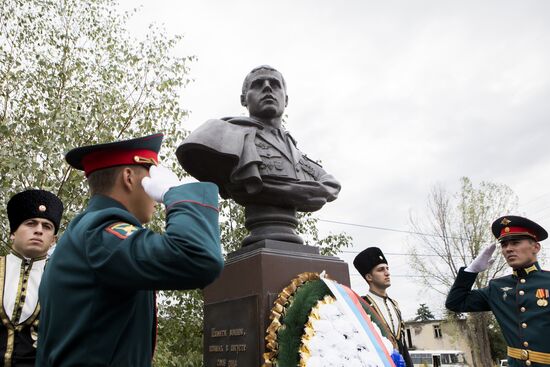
x=373, y=267
x=34, y=217
x=98, y=292
x=519, y=301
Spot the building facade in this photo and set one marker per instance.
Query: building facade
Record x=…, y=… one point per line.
x=438, y=335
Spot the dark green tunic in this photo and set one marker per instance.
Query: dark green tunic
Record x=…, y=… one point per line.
x=513, y=300
x=97, y=294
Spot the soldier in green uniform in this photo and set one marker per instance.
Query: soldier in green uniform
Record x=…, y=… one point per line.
x=34, y=217
x=98, y=291
x=519, y=301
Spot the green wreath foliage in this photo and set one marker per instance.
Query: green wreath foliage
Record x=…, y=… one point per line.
x=289, y=336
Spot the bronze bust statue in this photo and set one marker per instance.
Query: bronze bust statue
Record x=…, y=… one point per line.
x=256, y=162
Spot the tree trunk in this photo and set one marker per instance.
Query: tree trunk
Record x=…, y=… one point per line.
x=478, y=338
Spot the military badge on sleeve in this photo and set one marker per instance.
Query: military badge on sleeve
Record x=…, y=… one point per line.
x=122, y=230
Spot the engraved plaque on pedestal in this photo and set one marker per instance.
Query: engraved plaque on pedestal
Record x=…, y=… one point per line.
x=232, y=333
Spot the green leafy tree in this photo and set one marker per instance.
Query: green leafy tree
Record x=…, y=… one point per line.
x=453, y=232
x=71, y=75
x=423, y=313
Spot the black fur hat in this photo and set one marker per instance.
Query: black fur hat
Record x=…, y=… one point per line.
x=368, y=259
x=34, y=204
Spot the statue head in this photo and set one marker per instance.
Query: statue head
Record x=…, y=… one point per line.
x=264, y=92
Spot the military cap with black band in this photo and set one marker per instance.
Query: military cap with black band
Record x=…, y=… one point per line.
x=368, y=259
x=514, y=227
x=34, y=204
x=140, y=151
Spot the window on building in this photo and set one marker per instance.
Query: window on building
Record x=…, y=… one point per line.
x=409, y=339
x=437, y=331
x=421, y=358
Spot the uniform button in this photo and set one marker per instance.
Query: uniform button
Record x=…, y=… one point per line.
x=524, y=325
x=525, y=344
x=522, y=309
x=297, y=169
x=527, y=362
x=521, y=293
x=522, y=280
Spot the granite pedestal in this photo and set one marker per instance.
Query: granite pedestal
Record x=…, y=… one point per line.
x=237, y=305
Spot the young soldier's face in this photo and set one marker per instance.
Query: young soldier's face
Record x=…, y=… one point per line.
x=33, y=237
x=379, y=276
x=520, y=252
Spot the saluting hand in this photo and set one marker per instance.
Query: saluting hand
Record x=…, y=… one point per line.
x=483, y=260
x=160, y=180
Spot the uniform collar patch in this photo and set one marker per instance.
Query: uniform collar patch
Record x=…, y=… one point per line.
x=526, y=271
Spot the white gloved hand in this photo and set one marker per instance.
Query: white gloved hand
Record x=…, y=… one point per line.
x=160, y=180
x=483, y=260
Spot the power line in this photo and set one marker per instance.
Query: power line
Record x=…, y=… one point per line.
x=540, y=210
x=391, y=229
x=400, y=254
x=540, y=219
x=394, y=276
x=535, y=199
x=420, y=255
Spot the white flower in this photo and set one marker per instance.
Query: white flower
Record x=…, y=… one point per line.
x=337, y=343
x=329, y=312
x=315, y=361
x=322, y=326
x=343, y=326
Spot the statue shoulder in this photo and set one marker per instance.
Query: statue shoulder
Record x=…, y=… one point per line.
x=214, y=128
x=243, y=121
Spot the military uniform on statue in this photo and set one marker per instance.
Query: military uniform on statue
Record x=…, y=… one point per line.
x=255, y=160
x=373, y=267
x=34, y=217
x=520, y=301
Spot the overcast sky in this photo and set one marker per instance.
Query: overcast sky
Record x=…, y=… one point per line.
x=391, y=96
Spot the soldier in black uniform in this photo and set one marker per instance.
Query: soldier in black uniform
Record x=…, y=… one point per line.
x=373, y=267
x=34, y=217
x=519, y=301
